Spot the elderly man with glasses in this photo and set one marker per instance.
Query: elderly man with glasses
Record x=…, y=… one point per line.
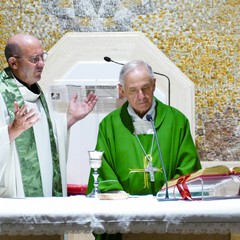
x=33, y=147
x=132, y=159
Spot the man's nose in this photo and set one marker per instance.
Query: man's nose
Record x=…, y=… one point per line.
x=41, y=62
x=141, y=93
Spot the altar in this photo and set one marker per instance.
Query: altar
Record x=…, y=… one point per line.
x=136, y=217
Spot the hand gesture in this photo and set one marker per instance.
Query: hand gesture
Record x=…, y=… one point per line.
x=79, y=110
x=23, y=120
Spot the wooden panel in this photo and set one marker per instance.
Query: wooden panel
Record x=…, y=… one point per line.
x=235, y=236
x=32, y=237
x=177, y=237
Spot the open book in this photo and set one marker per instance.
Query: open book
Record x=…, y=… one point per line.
x=216, y=181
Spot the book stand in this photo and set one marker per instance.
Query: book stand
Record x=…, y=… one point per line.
x=207, y=187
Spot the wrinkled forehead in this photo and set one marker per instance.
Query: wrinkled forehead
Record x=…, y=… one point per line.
x=138, y=77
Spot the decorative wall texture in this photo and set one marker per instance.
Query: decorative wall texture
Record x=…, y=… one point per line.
x=200, y=36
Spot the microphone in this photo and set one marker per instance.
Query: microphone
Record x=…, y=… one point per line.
x=149, y=118
x=108, y=59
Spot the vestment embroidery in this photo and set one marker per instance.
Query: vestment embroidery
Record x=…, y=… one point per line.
x=25, y=143
x=147, y=163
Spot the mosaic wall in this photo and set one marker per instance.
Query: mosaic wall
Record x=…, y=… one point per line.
x=200, y=36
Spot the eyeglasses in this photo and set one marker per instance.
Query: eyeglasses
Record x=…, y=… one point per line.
x=35, y=58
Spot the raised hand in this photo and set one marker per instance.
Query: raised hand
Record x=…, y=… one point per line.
x=79, y=110
x=23, y=120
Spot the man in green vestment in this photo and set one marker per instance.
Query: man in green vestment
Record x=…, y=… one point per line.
x=130, y=148
x=33, y=147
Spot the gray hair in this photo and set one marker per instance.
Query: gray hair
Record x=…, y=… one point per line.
x=128, y=67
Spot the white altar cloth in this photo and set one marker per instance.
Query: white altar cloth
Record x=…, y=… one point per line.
x=134, y=215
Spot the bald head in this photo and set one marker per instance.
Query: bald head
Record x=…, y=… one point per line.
x=25, y=57
x=18, y=43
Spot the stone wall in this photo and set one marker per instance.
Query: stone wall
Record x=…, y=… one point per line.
x=200, y=36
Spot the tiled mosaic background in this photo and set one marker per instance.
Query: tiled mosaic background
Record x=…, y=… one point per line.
x=199, y=36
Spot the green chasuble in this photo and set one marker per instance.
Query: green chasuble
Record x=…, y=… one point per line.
x=124, y=160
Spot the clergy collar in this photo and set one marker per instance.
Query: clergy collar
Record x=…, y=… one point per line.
x=135, y=117
x=142, y=125
x=33, y=88
x=27, y=94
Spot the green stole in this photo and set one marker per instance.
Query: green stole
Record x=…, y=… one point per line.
x=26, y=144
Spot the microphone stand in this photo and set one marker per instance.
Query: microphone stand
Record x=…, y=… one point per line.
x=108, y=59
x=149, y=118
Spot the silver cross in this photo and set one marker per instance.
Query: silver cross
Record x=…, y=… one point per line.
x=150, y=169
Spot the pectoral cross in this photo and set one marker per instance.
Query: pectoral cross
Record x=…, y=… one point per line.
x=148, y=168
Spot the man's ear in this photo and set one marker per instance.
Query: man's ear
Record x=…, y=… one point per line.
x=154, y=86
x=121, y=91
x=12, y=62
